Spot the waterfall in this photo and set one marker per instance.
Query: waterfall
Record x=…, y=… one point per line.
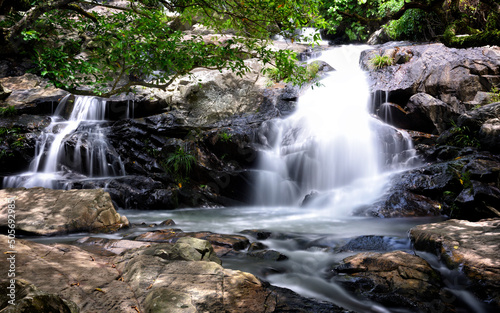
x=70, y=148
x=331, y=148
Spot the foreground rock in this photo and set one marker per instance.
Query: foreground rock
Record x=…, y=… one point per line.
x=28, y=298
x=393, y=279
x=156, y=278
x=44, y=211
x=472, y=247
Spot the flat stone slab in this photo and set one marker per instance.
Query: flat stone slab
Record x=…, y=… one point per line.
x=472, y=247
x=45, y=211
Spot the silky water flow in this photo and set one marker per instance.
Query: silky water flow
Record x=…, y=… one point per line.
x=72, y=148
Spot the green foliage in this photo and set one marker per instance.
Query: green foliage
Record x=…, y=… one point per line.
x=5, y=154
x=8, y=111
x=104, y=54
x=10, y=139
x=307, y=72
x=495, y=95
x=357, y=18
x=416, y=20
x=463, y=137
x=179, y=164
x=380, y=61
x=415, y=24
x=225, y=137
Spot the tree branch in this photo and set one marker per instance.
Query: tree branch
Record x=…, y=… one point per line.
x=79, y=10
x=122, y=89
x=31, y=16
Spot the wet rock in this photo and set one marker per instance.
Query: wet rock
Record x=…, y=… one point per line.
x=48, y=212
x=269, y=255
x=368, y=243
x=28, y=298
x=393, y=279
x=465, y=187
x=471, y=247
x=406, y=204
x=394, y=114
x=255, y=246
x=483, y=124
x=18, y=140
x=222, y=243
x=258, y=234
x=308, y=53
x=168, y=222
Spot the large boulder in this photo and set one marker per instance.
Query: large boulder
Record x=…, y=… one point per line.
x=30, y=94
x=429, y=114
x=453, y=76
x=471, y=247
x=205, y=96
x=44, y=211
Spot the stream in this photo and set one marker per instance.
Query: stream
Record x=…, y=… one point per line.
x=331, y=152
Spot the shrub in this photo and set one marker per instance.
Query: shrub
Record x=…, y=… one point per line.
x=8, y=111
x=179, y=164
x=495, y=95
x=380, y=61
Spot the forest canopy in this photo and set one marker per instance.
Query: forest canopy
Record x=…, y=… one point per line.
x=92, y=47
x=106, y=47
x=417, y=20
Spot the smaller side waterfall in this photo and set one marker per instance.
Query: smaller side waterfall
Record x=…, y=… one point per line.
x=72, y=148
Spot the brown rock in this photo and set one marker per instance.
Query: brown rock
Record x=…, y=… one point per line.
x=394, y=279
x=47, y=212
x=473, y=247
x=30, y=95
x=223, y=243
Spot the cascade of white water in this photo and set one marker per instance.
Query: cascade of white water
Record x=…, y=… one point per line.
x=331, y=145
x=74, y=147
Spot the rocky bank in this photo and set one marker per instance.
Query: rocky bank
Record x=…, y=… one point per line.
x=181, y=277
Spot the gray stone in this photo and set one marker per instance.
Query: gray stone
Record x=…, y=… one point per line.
x=429, y=114
x=454, y=76
x=490, y=134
